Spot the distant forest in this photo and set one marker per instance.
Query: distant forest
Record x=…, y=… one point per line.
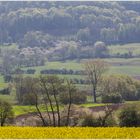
x=39, y=24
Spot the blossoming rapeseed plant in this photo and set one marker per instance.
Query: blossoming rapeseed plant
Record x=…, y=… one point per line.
x=68, y=132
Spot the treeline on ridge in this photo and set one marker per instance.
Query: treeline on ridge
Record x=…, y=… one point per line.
x=84, y=22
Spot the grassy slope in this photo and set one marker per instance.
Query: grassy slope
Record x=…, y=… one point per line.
x=19, y=110
x=11, y=97
x=7, y=47
x=134, y=47
x=118, y=65
x=24, y=109
x=130, y=70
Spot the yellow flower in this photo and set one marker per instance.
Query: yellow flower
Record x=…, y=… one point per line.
x=69, y=132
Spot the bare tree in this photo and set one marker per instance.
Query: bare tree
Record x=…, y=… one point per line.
x=45, y=92
x=70, y=90
x=94, y=70
x=55, y=87
x=45, y=123
x=46, y=96
x=51, y=87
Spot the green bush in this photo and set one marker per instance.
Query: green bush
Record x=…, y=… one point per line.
x=29, y=99
x=7, y=78
x=6, y=113
x=112, y=98
x=91, y=121
x=126, y=86
x=76, y=98
x=31, y=71
x=110, y=121
x=5, y=91
x=129, y=117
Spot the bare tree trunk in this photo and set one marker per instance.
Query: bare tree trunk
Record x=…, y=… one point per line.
x=37, y=108
x=51, y=105
x=95, y=70
x=47, y=110
x=94, y=94
x=3, y=119
x=40, y=114
x=70, y=102
x=57, y=105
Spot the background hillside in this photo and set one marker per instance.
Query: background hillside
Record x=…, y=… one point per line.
x=84, y=22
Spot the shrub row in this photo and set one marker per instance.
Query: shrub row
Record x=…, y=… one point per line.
x=51, y=71
x=80, y=81
x=129, y=116
x=62, y=71
x=112, y=98
x=77, y=98
x=5, y=91
x=28, y=71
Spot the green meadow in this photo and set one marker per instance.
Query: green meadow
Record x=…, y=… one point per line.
x=133, y=47
x=117, y=66
x=129, y=67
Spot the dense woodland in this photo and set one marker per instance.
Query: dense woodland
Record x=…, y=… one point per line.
x=69, y=30
x=84, y=22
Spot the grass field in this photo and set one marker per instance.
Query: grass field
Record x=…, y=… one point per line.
x=2, y=83
x=117, y=66
x=21, y=109
x=132, y=70
x=133, y=47
x=8, y=98
x=25, y=109
x=92, y=104
x=126, y=70
x=68, y=132
x=8, y=46
x=74, y=65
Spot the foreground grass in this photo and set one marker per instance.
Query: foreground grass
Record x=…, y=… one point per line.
x=20, y=110
x=25, y=109
x=69, y=132
x=93, y=104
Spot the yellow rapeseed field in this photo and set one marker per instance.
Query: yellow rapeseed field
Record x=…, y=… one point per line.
x=68, y=132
